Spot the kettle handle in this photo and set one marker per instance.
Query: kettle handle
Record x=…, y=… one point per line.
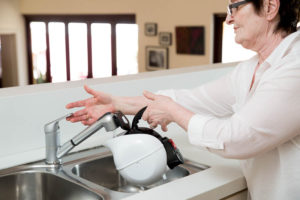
x=121, y=120
x=137, y=118
x=174, y=156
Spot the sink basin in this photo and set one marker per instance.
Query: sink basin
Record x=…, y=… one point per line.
x=42, y=186
x=102, y=171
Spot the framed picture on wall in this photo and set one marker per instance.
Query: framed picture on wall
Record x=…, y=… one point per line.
x=190, y=40
x=156, y=58
x=165, y=38
x=150, y=29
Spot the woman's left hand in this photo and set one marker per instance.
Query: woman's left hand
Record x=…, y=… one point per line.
x=159, y=110
x=162, y=110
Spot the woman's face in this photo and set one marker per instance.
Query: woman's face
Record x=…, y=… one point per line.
x=249, y=27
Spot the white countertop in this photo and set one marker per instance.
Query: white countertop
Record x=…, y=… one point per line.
x=224, y=177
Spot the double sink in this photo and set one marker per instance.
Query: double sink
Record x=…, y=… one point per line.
x=89, y=175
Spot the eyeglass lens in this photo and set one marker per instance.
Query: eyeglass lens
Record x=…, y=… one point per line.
x=232, y=7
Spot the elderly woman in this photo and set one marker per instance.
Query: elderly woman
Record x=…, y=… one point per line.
x=255, y=117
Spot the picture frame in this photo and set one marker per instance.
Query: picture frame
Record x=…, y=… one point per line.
x=190, y=40
x=151, y=29
x=165, y=38
x=156, y=58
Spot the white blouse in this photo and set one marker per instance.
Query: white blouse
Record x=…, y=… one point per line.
x=261, y=126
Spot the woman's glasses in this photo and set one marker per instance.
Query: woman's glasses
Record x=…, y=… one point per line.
x=231, y=8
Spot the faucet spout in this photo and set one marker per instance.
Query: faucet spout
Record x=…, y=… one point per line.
x=54, y=151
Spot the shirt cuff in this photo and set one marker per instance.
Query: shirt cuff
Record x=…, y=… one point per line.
x=197, y=135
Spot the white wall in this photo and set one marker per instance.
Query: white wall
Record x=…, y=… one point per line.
x=25, y=110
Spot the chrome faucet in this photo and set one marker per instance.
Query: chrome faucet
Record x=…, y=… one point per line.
x=54, y=150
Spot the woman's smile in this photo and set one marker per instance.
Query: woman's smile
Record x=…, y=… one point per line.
x=235, y=29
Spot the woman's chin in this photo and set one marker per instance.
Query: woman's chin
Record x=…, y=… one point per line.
x=242, y=42
x=238, y=40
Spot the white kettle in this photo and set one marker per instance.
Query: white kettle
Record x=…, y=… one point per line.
x=141, y=159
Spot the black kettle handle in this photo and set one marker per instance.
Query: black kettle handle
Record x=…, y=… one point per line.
x=174, y=156
x=137, y=118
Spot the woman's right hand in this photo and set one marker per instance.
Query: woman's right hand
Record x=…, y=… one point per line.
x=93, y=107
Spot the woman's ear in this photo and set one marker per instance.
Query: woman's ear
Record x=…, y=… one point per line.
x=271, y=8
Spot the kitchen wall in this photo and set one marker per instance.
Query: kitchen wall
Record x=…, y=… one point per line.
x=167, y=13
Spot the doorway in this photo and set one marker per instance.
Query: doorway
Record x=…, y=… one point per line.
x=8, y=61
x=0, y=66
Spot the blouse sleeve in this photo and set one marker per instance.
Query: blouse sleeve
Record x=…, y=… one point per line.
x=214, y=98
x=269, y=118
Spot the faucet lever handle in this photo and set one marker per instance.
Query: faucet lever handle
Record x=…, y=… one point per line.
x=53, y=125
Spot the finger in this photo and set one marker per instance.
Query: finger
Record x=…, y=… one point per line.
x=149, y=95
x=82, y=102
x=79, y=118
x=75, y=104
x=90, y=90
x=153, y=125
x=164, y=127
x=73, y=119
x=145, y=114
x=88, y=122
x=80, y=112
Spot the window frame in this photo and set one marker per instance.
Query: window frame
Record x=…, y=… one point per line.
x=66, y=19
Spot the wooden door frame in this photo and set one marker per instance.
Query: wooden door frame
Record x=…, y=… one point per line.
x=218, y=36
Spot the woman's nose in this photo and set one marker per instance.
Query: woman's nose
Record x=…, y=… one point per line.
x=229, y=19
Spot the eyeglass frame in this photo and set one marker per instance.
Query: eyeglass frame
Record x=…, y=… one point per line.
x=235, y=5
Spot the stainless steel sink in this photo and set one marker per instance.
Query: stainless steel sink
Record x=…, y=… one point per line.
x=86, y=175
x=42, y=186
x=102, y=171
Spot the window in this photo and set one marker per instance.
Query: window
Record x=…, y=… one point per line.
x=126, y=40
x=63, y=48
x=101, y=48
x=57, y=46
x=78, y=51
x=38, y=47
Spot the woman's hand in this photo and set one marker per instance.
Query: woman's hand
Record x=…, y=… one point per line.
x=94, y=107
x=162, y=110
x=157, y=112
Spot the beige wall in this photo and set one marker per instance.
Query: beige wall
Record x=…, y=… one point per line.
x=12, y=23
x=167, y=13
